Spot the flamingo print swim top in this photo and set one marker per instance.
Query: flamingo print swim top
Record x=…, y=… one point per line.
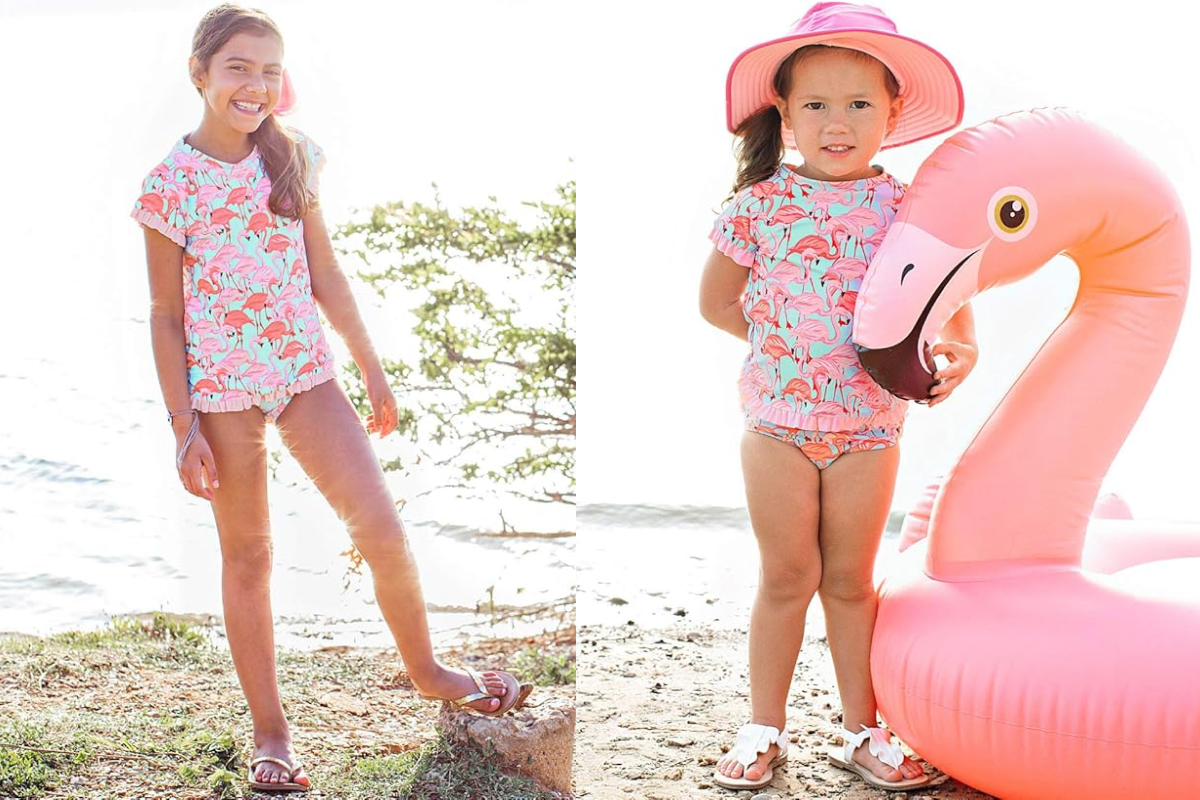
x=250, y=322
x=807, y=244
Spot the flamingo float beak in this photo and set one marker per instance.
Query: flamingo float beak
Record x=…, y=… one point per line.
x=915, y=283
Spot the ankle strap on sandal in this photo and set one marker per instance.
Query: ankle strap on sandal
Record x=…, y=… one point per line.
x=754, y=740
x=879, y=744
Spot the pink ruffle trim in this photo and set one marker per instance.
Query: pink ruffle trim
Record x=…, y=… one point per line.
x=152, y=220
x=242, y=403
x=888, y=417
x=740, y=255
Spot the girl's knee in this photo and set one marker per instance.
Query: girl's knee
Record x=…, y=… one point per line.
x=790, y=581
x=250, y=563
x=846, y=587
x=380, y=540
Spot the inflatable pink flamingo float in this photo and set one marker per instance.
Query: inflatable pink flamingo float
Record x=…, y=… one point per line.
x=996, y=655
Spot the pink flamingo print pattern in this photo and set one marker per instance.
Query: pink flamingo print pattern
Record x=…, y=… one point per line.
x=252, y=330
x=807, y=244
x=824, y=447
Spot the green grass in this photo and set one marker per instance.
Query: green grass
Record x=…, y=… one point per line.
x=129, y=630
x=99, y=706
x=25, y=772
x=544, y=669
x=441, y=770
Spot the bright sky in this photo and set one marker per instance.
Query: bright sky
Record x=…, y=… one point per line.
x=658, y=393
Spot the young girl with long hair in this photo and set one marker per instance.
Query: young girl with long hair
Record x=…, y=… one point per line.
x=819, y=454
x=239, y=261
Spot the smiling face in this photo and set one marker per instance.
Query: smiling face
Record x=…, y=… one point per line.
x=242, y=82
x=839, y=110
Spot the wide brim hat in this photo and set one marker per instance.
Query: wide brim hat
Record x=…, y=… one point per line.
x=933, y=96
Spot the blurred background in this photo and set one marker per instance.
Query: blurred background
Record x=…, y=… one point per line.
x=661, y=476
x=93, y=519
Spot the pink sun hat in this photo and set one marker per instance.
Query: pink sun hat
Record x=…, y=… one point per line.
x=933, y=96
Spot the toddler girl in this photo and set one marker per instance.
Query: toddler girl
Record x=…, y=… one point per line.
x=239, y=260
x=820, y=454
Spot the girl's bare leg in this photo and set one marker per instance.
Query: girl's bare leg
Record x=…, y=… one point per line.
x=325, y=435
x=782, y=495
x=856, y=496
x=240, y=509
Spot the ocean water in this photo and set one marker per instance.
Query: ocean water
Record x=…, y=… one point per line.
x=655, y=565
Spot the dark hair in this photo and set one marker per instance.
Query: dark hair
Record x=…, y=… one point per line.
x=760, y=145
x=283, y=157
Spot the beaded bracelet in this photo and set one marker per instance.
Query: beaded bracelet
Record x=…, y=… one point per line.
x=191, y=433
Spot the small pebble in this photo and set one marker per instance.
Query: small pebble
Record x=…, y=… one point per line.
x=765, y=797
x=793, y=738
x=680, y=741
x=673, y=774
x=706, y=761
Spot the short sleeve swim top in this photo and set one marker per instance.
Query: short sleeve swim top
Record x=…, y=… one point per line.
x=250, y=320
x=807, y=244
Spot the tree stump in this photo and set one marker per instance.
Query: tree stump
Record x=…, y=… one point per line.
x=537, y=741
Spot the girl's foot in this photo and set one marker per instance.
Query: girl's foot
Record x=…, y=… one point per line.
x=730, y=767
x=451, y=684
x=909, y=769
x=269, y=772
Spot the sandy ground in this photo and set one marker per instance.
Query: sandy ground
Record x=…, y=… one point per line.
x=656, y=707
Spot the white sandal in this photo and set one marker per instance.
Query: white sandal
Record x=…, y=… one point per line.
x=752, y=741
x=880, y=745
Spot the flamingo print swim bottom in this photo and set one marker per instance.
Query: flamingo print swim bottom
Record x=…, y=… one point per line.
x=273, y=408
x=824, y=447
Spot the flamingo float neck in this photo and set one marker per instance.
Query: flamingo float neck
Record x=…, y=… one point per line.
x=1019, y=497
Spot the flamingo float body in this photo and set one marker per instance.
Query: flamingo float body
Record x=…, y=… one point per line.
x=997, y=655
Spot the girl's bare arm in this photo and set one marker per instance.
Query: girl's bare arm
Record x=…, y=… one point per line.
x=164, y=261
x=331, y=289
x=960, y=327
x=957, y=343
x=721, y=289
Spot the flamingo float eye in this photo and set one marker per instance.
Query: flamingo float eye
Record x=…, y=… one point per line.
x=1012, y=213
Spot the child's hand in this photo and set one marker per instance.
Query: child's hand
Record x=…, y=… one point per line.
x=385, y=417
x=962, y=360
x=198, y=473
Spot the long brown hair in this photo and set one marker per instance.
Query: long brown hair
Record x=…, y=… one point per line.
x=283, y=157
x=760, y=141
